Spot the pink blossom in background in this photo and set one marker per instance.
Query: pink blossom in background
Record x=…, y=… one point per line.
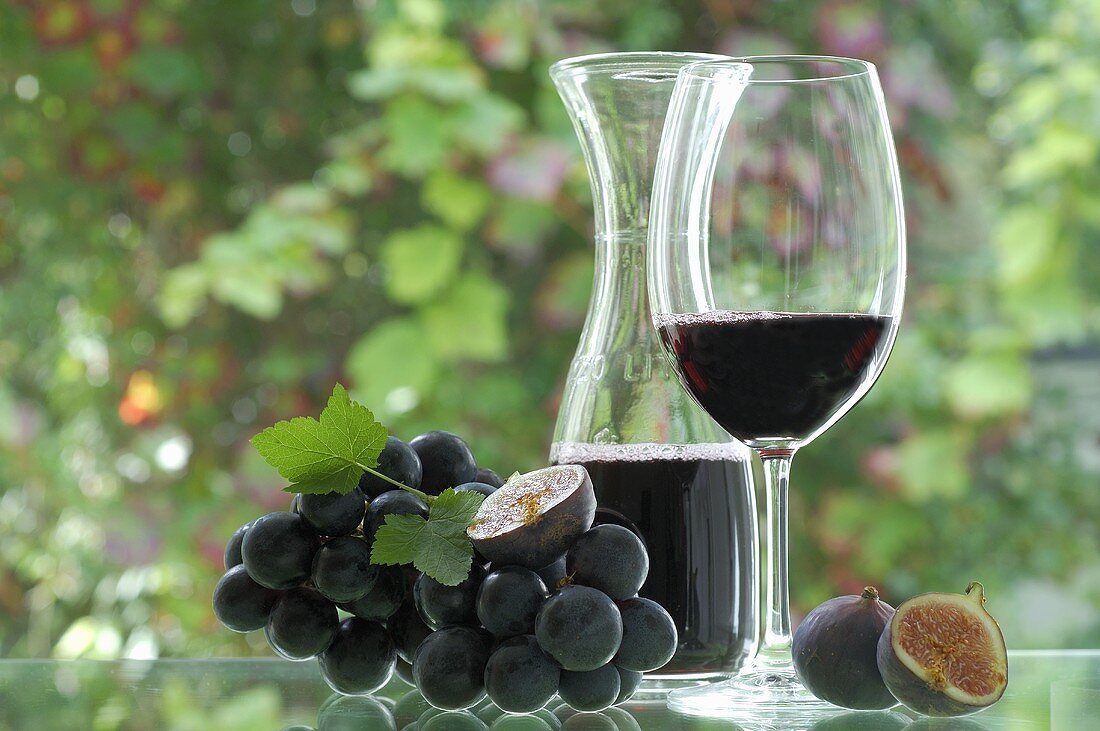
x=134, y=543
x=743, y=42
x=911, y=77
x=851, y=29
x=575, y=43
x=801, y=166
x=532, y=169
x=790, y=231
x=880, y=465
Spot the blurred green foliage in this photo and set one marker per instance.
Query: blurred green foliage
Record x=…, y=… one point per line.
x=210, y=212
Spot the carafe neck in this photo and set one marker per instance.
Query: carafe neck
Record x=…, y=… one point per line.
x=618, y=312
x=617, y=103
x=620, y=389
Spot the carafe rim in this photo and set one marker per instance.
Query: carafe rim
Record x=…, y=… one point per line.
x=630, y=61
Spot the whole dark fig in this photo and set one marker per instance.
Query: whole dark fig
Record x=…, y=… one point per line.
x=943, y=654
x=834, y=651
x=863, y=721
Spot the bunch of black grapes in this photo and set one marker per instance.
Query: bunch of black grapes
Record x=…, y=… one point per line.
x=575, y=628
x=305, y=576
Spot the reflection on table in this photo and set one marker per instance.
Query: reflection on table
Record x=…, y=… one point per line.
x=1047, y=690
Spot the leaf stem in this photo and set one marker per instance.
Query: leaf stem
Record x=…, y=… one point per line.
x=422, y=495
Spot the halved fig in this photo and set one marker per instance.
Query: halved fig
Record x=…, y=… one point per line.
x=535, y=517
x=834, y=651
x=932, y=723
x=863, y=721
x=943, y=654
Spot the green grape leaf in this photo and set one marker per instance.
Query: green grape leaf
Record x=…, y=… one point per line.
x=437, y=546
x=327, y=454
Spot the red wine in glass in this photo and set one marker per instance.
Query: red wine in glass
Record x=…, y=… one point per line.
x=773, y=374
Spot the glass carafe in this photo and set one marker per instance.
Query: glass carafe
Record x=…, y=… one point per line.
x=661, y=466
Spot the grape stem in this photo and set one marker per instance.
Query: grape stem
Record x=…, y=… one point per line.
x=422, y=495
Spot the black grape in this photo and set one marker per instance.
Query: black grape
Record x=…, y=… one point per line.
x=509, y=599
x=609, y=558
x=240, y=603
x=446, y=459
x=302, y=624
x=552, y=574
x=547, y=716
x=441, y=605
x=427, y=715
x=354, y=713
x=410, y=707
x=489, y=477
x=404, y=671
x=394, y=502
x=407, y=630
x=278, y=550
x=520, y=677
x=576, y=721
x=452, y=721
x=481, y=487
x=487, y=711
x=449, y=668
x=342, y=570
x=398, y=462
x=332, y=514
x=580, y=627
x=622, y=718
x=360, y=659
x=649, y=635
x=233, y=547
x=525, y=722
x=593, y=690
x=629, y=682
x=384, y=597
x=411, y=575
x=296, y=503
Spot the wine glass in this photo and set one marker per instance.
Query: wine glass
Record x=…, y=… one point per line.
x=776, y=276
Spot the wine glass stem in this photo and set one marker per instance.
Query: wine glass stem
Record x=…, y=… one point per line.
x=776, y=649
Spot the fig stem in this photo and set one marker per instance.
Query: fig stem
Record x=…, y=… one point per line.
x=980, y=596
x=869, y=592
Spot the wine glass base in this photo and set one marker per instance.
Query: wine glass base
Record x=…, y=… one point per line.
x=773, y=699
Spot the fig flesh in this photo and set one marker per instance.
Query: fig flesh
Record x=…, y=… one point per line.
x=535, y=517
x=943, y=654
x=834, y=651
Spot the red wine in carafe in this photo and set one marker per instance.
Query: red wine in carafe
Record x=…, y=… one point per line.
x=693, y=507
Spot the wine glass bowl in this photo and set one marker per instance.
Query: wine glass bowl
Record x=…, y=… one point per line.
x=776, y=379
x=776, y=274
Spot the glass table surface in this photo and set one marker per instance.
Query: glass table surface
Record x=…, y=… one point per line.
x=1047, y=690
